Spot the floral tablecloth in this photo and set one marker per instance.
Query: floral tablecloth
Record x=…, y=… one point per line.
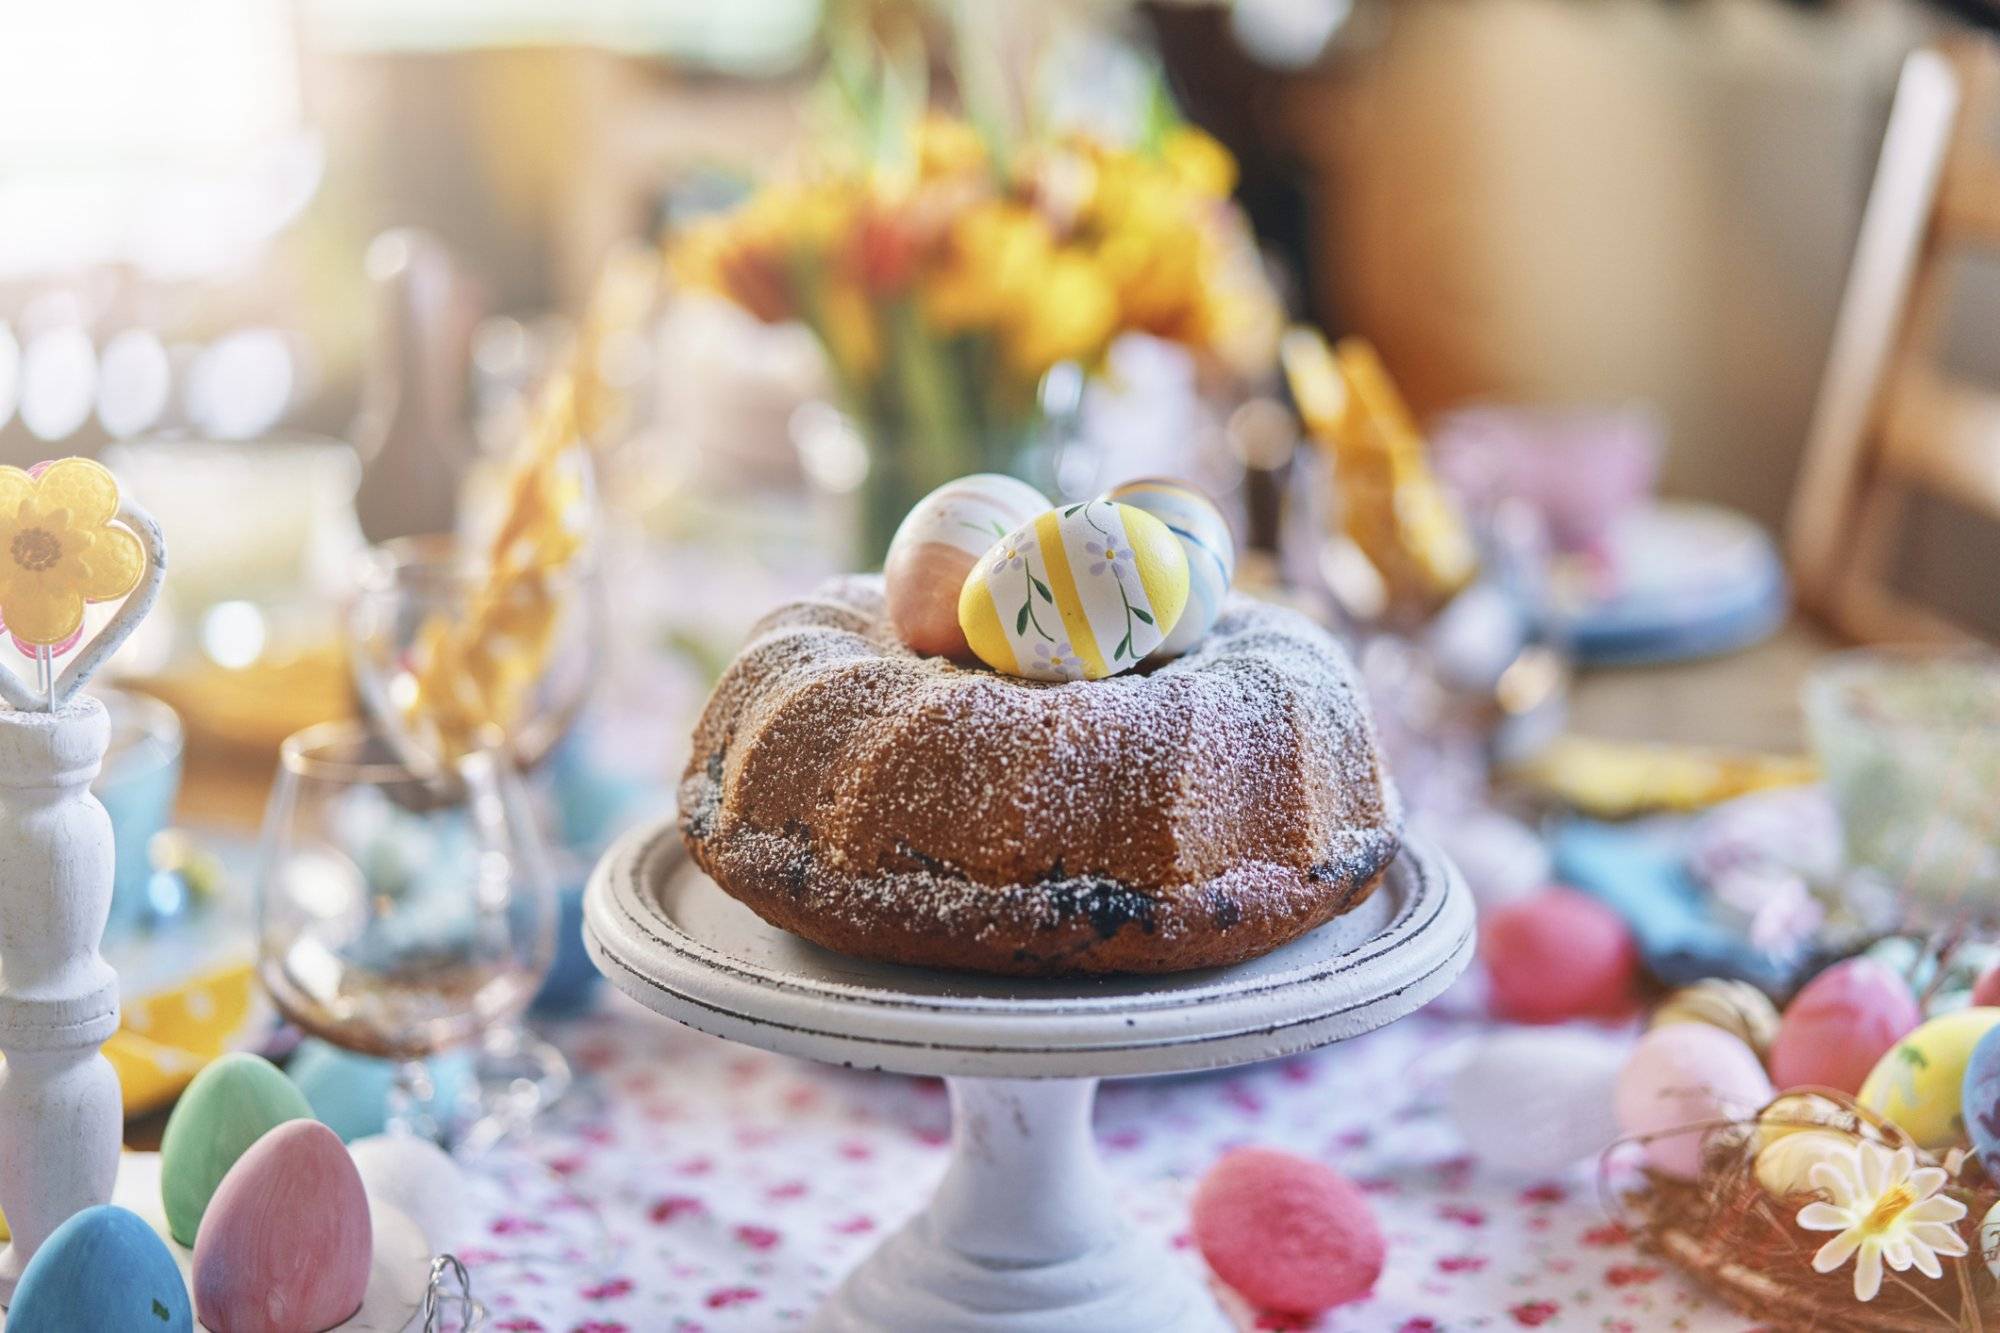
x=694, y=1186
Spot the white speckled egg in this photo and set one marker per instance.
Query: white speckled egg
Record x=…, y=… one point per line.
x=1078, y=593
x=1205, y=538
x=937, y=545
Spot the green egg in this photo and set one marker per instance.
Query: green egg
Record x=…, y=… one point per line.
x=1919, y=1083
x=229, y=1106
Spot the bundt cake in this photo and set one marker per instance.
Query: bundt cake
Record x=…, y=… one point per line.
x=913, y=810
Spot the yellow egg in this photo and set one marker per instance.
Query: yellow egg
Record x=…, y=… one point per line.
x=1919, y=1083
x=1077, y=593
x=1784, y=1167
x=937, y=545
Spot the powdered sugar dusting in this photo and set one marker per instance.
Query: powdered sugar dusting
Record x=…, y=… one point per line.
x=842, y=782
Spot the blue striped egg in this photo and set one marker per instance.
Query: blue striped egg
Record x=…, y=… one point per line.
x=1205, y=537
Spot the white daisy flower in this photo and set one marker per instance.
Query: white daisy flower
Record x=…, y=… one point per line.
x=1887, y=1209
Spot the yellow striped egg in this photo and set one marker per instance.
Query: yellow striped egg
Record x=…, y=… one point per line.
x=936, y=546
x=1205, y=538
x=1078, y=593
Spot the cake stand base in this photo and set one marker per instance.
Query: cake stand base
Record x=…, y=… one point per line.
x=1023, y=1233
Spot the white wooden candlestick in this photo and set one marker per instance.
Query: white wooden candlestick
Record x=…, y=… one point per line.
x=1024, y=1233
x=60, y=1108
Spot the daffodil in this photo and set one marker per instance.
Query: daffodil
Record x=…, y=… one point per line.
x=59, y=548
x=1887, y=1209
x=1197, y=162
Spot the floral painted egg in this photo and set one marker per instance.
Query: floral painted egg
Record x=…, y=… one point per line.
x=1078, y=593
x=1979, y=1099
x=1679, y=1080
x=102, y=1269
x=936, y=547
x=1838, y=1026
x=1920, y=1082
x=287, y=1243
x=1204, y=536
x=230, y=1105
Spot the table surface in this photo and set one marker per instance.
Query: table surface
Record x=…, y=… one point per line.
x=691, y=1185
x=695, y=1186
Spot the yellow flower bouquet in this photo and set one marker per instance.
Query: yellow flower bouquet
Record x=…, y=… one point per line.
x=946, y=273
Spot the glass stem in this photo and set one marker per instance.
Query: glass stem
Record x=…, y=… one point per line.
x=412, y=1105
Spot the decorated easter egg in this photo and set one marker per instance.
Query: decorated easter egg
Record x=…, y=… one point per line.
x=1919, y=1083
x=938, y=543
x=419, y=1178
x=230, y=1105
x=1979, y=1098
x=1206, y=540
x=1291, y=1235
x=102, y=1269
x=1737, y=1007
x=1536, y=1101
x=1078, y=593
x=1556, y=955
x=287, y=1242
x=1784, y=1166
x=1986, y=990
x=1802, y=1112
x=1839, y=1025
x=349, y=1093
x=1678, y=1081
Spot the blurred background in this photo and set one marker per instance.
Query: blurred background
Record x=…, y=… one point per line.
x=1616, y=379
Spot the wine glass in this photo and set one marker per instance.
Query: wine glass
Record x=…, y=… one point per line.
x=394, y=920
x=406, y=590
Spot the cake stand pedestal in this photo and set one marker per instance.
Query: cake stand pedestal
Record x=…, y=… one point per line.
x=1024, y=1234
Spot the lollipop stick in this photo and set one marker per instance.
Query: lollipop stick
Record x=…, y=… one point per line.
x=45, y=675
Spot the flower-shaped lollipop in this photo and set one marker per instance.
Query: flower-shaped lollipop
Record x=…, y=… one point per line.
x=65, y=542
x=59, y=549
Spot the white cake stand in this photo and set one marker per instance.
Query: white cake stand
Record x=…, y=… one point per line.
x=1024, y=1233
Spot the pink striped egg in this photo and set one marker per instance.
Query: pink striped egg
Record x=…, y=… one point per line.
x=936, y=547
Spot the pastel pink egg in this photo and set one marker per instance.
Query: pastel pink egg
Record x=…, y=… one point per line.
x=1679, y=1080
x=286, y=1243
x=1556, y=955
x=1291, y=1235
x=936, y=546
x=1845, y=1020
x=1986, y=990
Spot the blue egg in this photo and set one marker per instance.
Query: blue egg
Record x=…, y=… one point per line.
x=1980, y=1099
x=1204, y=535
x=102, y=1269
x=349, y=1093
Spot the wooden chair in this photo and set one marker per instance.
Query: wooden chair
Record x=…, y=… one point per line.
x=1890, y=422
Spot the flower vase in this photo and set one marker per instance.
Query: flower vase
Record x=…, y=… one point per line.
x=906, y=464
